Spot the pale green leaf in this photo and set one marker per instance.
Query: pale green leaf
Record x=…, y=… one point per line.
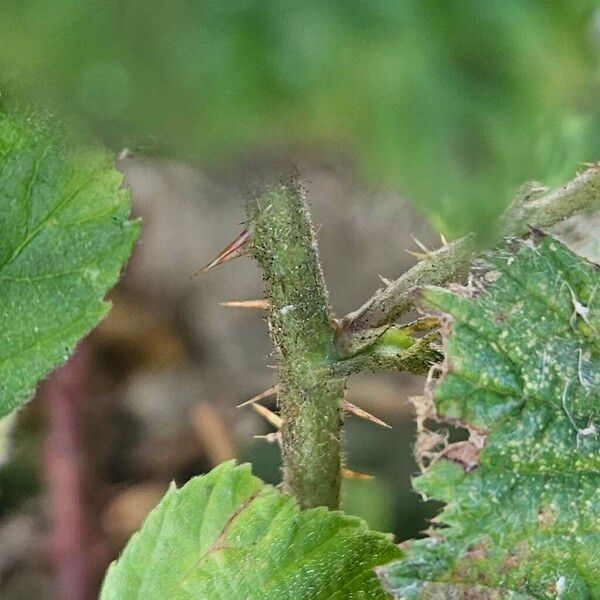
x=226, y=535
x=64, y=236
x=522, y=374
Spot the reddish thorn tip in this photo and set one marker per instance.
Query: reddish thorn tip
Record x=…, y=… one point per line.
x=237, y=248
x=363, y=414
x=270, y=392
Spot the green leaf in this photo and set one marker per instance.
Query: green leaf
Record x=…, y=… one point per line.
x=227, y=535
x=64, y=236
x=522, y=494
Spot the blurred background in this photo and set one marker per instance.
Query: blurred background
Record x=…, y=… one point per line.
x=404, y=118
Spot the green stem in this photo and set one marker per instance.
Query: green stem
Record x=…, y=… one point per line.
x=530, y=208
x=394, y=351
x=302, y=330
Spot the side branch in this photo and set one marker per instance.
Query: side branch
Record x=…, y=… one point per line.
x=379, y=358
x=361, y=328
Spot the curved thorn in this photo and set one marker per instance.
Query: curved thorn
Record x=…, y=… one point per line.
x=362, y=414
x=417, y=255
x=421, y=245
x=349, y=474
x=233, y=250
x=270, y=392
x=269, y=416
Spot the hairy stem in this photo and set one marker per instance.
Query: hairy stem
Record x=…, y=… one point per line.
x=383, y=357
x=364, y=326
x=301, y=327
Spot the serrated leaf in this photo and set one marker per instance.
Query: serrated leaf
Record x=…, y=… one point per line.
x=227, y=535
x=522, y=496
x=64, y=236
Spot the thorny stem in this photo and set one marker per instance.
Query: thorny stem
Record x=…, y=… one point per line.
x=316, y=354
x=364, y=326
x=382, y=357
x=302, y=329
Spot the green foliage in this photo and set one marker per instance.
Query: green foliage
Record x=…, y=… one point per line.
x=64, y=236
x=522, y=374
x=227, y=535
x=453, y=103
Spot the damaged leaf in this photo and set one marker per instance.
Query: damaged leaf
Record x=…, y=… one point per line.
x=227, y=535
x=522, y=375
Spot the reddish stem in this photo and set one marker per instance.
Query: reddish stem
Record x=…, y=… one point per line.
x=65, y=462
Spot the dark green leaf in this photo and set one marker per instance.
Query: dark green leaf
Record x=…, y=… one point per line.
x=522, y=495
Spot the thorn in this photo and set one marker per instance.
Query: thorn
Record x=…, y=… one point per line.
x=233, y=250
x=270, y=392
x=349, y=474
x=538, y=189
x=418, y=255
x=362, y=414
x=421, y=245
x=385, y=280
x=591, y=165
x=444, y=240
x=269, y=416
x=271, y=438
x=336, y=324
x=260, y=304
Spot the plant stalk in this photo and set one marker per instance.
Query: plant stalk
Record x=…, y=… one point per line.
x=362, y=327
x=65, y=463
x=302, y=329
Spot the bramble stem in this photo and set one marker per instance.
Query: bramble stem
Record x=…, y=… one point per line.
x=301, y=328
x=361, y=328
x=382, y=357
x=316, y=355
